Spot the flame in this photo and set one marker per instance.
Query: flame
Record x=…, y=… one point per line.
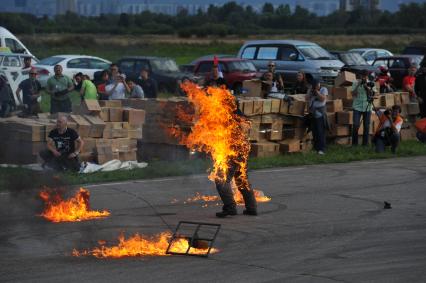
x=260, y=197
x=76, y=208
x=141, y=245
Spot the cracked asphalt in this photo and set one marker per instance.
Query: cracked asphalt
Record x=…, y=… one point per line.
x=325, y=223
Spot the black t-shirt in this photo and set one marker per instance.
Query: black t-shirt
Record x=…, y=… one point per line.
x=149, y=87
x=29, y=87
x=64, y=143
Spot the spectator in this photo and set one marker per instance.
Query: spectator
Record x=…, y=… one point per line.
x=149, y=85
x=317, y=98
x=59, y=86
x=63, y=147
x=276, y=78
x=215, y=79
x=385, y=80
x=387, y=133
x=301, y=85
x=88, y=89
x=114, y=73
x=135, y=90
x=27, y=63
x=117, y=89
x=420, y=88
x=268, y=83
x=30, y=93
x=421, y=130
x=362, y=105
x=5, y=98
x=78, y=81
x=101, y=86
x=409, y=81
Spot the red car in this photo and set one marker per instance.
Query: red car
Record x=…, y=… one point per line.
x=234, y=70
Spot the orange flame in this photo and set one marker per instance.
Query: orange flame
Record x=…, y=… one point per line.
x=218, y=130
x=140, y=245
x=76, y=208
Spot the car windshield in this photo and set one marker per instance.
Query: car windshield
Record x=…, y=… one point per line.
x=242, y=66
x=416, y=59
x=164, y=65
x=352, y=58
x=50, y=61
x=314, y=52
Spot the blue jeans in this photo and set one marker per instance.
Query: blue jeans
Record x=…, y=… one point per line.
x=382, y=142
x=366, y=116
x=318, y=132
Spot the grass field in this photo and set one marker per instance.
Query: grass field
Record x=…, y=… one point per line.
x=19, y=178
x=185, y=50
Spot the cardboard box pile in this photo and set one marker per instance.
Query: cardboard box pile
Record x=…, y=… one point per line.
x=105, y=138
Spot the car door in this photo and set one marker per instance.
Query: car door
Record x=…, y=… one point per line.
x=76, y=65
x=287, y=67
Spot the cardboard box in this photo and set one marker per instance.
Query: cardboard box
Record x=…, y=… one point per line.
x=297, y=107
x=104, y=115
x=347, y=103
x=252, y=88
x=91, y=106
x=342, y=92
x=111, y=103
x=344, y=79
x=127, y=156
x=83, y=126
x=334, y=105
x=405, y=97
x=344, y=118
x=387, y=100
x=397, y=98
x=254, y=131
x=290, y=145
x=135, y=132
x=97, y=126
x=276, y=131
x=340, y=131
x=267, y=106
x=264, y=149
x=258, y=106
x=248, y=107
x=116, y=114
x=284, y=107
x=275, y=105
x=134, y=116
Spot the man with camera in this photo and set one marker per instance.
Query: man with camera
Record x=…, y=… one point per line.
x=363, y=93
x=59, y=86
x=317, y=98
x=387, y=133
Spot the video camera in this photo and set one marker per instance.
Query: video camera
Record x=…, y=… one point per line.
x=369, y=87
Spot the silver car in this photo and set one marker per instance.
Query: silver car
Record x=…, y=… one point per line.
x=292, y=56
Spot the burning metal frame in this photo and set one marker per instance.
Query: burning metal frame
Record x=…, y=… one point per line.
x=193, y=238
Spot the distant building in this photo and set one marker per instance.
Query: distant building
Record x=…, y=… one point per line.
x=320, y=7
x=350, y=5
x=64, y=6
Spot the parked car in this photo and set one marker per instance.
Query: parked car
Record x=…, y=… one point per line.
x=164, y=70
x=353, y=61
x=290, y=57
x=234, y=70
x=71, y=64
x=189, y=68
x=398, y=66
x=415, y=48
x=370, y=54
x=10, y=41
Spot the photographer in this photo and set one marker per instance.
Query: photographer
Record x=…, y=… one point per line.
x=316, y=97
x=59, y=86
x=387, y=133
x=117, y=89
x=363, y=92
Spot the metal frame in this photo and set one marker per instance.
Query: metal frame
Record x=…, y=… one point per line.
x=194, y=236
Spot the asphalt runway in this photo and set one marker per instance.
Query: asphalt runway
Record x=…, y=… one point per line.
x=325, y=223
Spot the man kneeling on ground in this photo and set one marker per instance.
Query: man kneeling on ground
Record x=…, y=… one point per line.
x=387, y=133
x=63, y=147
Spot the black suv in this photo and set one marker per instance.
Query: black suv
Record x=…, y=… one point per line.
x=164, y=70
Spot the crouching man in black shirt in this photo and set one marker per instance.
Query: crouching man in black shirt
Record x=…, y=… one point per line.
x=63, y=147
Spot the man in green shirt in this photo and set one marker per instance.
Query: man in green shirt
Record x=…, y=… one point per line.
x=88, y=89
x=59, y=86
x=361, y=108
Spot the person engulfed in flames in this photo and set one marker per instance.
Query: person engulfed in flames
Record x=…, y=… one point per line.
x=223, y=133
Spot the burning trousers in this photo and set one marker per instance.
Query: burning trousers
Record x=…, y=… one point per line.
x=224, y=189
x=60, y=163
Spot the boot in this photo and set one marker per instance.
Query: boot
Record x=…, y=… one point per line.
x=224, y=213
x=249, y=201
x=227, y=197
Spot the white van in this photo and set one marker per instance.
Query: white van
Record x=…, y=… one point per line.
x=8, y=40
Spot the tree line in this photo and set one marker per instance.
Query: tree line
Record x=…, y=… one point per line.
x=228, y=19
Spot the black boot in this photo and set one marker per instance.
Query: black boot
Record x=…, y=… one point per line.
x=225, y=213
x=249, y=201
